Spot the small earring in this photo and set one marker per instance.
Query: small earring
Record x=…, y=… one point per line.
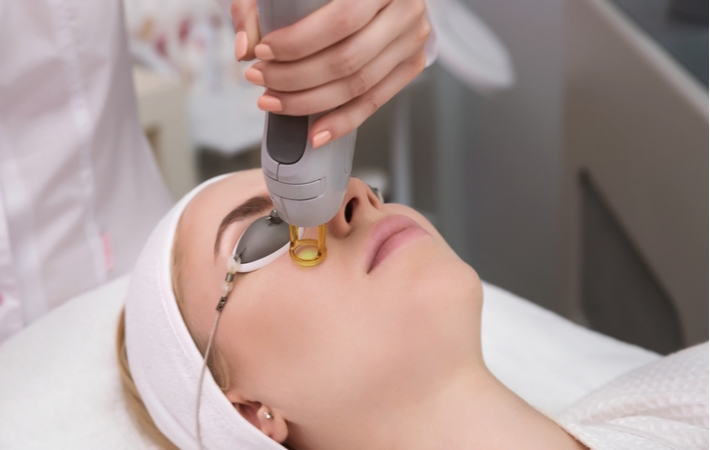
x=268, y=415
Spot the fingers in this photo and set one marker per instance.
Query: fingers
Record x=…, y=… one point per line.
x=349, y=55
x=246, y=25
x=336, y=93
x=351, y=115
x=319, y=30
x=344, y=58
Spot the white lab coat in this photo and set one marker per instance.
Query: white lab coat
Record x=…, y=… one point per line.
x=79, y=187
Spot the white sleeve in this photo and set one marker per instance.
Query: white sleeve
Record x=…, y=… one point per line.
x=226, y=7
x=429, y=46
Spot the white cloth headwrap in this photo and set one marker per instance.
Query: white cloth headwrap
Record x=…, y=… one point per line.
x=164, y=360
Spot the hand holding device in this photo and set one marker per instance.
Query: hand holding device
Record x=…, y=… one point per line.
x=307, y=185
x=353, y=55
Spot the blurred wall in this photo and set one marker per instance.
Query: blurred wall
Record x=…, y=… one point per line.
x=505, y=153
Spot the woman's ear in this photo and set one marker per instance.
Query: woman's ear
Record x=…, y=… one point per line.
x=270, y=421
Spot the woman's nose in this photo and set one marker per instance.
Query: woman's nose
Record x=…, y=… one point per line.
x=359, y=201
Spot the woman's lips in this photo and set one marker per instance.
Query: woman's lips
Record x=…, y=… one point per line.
x=388, y=235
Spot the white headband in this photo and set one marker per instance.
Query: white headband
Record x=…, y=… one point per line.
x=164, y=360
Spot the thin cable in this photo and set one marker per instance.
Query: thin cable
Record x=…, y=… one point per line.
x=202, y=376
x=233, y=264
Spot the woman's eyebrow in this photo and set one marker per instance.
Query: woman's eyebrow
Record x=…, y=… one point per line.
x=251, y=207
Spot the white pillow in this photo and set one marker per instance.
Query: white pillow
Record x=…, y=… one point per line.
x=546, y=359
x=60, y=384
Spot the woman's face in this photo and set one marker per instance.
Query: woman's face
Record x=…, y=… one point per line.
x=343, y=335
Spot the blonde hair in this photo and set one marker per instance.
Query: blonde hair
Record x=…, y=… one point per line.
x=131, y=394
x=215, y=362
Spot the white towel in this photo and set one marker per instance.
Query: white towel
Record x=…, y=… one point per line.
x=663, y=405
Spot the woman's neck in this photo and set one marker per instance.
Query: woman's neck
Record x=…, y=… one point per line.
x=474, y=411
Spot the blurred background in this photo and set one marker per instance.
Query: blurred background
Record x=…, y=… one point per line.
x=560, y=146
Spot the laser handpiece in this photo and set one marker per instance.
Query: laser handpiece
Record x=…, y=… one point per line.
x=307, y=185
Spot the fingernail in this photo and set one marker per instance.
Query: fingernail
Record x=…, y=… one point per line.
x=242, y=45
x=269, y=103
x=254, y=76
x=263, y=52
x=321, y=138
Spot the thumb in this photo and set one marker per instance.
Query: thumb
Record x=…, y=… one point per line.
x=246, y=25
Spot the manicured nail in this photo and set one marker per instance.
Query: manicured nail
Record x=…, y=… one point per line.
x=254, y=76
x=263, y=52
x=242, y=45
x=321, y=138
x=269, y=103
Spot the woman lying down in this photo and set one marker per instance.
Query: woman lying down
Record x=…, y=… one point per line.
x=376, y=348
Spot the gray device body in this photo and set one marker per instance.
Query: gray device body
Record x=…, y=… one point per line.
x=307, y=185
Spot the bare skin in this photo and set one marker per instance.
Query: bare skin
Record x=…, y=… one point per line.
x=353, y=55
x=347, y=357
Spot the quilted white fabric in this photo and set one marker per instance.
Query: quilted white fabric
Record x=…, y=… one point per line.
x=663, y=405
